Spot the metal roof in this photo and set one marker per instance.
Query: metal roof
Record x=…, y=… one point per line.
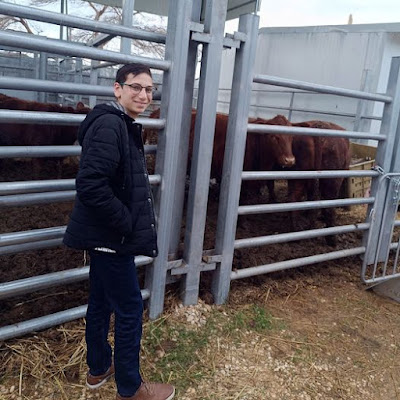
x=160, y=7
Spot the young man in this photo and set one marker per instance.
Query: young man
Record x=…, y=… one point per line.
x=113, y=218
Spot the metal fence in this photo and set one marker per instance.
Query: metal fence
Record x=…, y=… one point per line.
x=174, y=67
x=229, y=208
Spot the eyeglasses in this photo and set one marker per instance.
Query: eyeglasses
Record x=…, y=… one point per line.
x=137, y=88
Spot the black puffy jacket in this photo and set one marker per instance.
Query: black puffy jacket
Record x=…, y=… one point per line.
x=114, y=205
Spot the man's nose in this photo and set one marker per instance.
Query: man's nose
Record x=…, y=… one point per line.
x=142, y=93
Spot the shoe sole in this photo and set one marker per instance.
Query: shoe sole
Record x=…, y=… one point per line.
x=101, y=383
x=171, y=395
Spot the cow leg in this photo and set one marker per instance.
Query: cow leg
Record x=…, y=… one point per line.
x=271, y=191
x=312, y=195
x=296, y=189
x=330, y=189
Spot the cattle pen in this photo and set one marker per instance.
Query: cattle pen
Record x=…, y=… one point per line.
x=179, y=216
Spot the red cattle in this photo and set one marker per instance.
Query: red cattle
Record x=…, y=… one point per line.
x=15, y=134
x=12, y=134
x=263, y=151
x=319, y=153
x=272, y=151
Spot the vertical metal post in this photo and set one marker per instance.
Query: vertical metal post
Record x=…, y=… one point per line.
x=127, y=20
x=78, y=77
x=62, y=10
x=172, y=104
x=184, y=140
x=42, y=74
x=234, y=156
x=291, y=106
x=215, y=15
x=94, y=76
x=359, y=123
x=384, y=155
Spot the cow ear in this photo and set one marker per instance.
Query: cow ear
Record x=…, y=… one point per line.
x=80, y=106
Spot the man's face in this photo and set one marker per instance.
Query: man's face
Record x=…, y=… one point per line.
x=133, y=100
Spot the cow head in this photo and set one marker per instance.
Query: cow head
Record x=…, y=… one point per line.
x=281, y=149
x=279, y=146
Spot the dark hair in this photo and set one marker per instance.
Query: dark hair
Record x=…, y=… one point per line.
x=134, y=69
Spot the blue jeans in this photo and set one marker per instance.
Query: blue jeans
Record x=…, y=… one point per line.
x=114, y=288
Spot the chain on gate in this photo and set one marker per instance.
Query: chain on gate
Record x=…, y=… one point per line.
x=385, y=265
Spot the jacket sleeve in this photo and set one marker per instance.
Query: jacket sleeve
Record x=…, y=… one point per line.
x=98, y=168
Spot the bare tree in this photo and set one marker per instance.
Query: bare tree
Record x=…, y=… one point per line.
x=95, y=12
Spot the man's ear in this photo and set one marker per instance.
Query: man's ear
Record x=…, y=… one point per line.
x=117, y=90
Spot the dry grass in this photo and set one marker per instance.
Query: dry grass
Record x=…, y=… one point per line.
x=281, y=338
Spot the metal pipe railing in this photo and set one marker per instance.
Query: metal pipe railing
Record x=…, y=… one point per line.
x=25, y=187
x=302, y=205
x=293, y=236
x=34, y=235
x=77, y=22
x=290, y=83
x=262, y=175
x=48, y=321
x=38, y=245
x=298, y=262
x=33, y=42
x=295, y=130
x=51, y=151
x=28, y=199
x=59, y=87
x=55, y=118
x=29, y=285
x=53, y=86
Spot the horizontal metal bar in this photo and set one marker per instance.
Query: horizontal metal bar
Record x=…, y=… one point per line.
x=33, y=284
x=54, y=118
x=289, y=174
x=38, y=245
x=18, y=200
x=273, y=80
x=39, y=117
x=54, y=86
x=293, y=236
x=25, y=187
x=36, y=198
x=60, y=87
x=34, y=235
x=77, y=22
x=296, y=130
x=51, y=151
x=298, y=262
x=33, y=42
x=302, y=205
x=37, y=324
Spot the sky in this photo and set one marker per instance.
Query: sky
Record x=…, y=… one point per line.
x=327, y=12
x=284, y=13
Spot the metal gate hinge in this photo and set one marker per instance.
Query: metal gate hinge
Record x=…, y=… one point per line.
x=201, y=37
x=229, y=42
x=378, y=169
x=196, y=27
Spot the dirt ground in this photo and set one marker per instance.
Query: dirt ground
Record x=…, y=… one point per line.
x=331, y=339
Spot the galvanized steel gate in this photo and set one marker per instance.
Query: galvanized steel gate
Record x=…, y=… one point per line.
x=185, y=32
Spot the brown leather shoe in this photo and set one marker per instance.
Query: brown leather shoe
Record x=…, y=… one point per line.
x=151, y=391
x=95, y=381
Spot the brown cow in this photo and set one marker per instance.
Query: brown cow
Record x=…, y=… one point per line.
x=273, y=150
x=15, y=134
x=263, y=151
x=319, y=153
x=12, y=134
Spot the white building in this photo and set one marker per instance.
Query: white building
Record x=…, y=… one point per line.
x=349, y=56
